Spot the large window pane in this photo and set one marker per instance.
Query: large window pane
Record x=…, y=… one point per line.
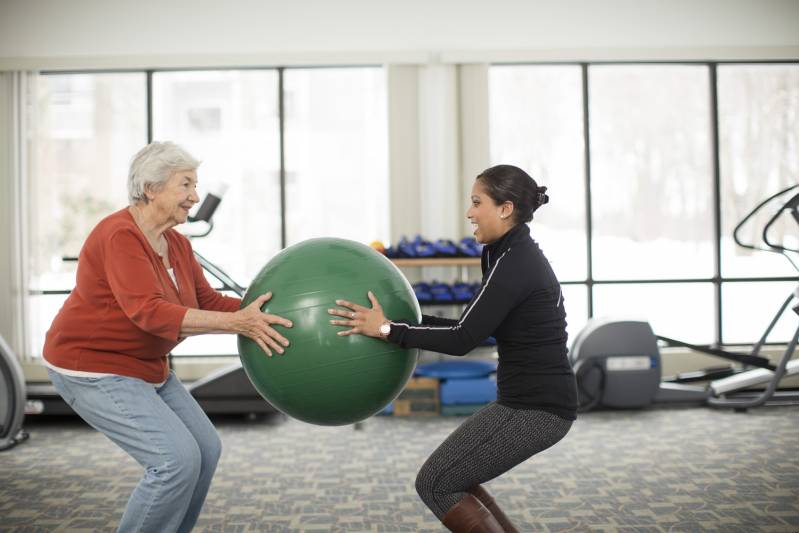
x=652, y=175
x=536, y=123
x=759, y=150
x=745, y=323
x=84, y=130
x=683, y=311
x=575, y=299
x=41, y=310
x=336, y=154
x=228, y=119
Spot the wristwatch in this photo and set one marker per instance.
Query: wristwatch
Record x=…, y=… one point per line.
x=385, y=329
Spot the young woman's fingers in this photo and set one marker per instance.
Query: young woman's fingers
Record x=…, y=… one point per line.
x=351, y=305
x=373, y=299
x=353, y=323
x=341, y=313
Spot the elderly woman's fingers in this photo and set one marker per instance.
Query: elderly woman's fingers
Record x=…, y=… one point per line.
x=274, y=344
x=275, y=319
x=263, y=346
x=277, y=338
x=261, y=300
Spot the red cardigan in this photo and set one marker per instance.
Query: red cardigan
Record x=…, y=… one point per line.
x=124, y=314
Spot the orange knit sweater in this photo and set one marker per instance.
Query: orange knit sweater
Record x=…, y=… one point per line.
x=124, y=314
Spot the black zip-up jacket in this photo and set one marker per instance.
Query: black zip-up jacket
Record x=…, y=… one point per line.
x=521, y=305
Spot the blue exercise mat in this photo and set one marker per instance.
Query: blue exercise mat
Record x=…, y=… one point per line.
x=457, y=369
x=468, y=391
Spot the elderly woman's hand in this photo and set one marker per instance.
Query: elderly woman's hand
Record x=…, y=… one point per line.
x=361, y=319
x=257, y=325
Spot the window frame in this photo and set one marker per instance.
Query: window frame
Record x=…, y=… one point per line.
x=590, y=281
x=149, y=73
x=717, y=279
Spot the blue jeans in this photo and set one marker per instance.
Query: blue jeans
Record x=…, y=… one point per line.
x=165, y=430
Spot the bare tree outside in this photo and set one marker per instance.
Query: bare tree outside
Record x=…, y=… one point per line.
x=651, y=179
x=759, y=151
x=652, y=187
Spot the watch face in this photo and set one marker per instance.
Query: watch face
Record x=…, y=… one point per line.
x=385, y=329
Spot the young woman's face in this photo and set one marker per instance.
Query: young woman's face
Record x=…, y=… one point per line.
x=489, y=220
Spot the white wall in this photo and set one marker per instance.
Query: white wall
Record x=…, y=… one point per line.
x=139, y=33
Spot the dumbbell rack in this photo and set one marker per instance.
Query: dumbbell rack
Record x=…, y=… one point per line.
x=463, y=262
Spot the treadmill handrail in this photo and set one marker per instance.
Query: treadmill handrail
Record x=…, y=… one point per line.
x=747, y=359
x=779, y=373
x=227, y=282
x=751, y=213
x=791, y=206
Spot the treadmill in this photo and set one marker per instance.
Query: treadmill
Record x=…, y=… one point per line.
x=12, y=398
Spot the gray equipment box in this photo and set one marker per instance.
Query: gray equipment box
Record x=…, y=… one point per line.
x=617, y=364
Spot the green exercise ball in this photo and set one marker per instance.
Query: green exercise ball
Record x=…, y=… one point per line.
x=323, y=378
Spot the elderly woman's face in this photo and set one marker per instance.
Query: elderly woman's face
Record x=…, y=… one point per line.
x=178, y=196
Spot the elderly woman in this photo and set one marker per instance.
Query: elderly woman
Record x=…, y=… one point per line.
x=139, y=292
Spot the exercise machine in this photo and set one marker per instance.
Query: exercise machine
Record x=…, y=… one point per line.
x=227, y=390
x=12, y=398
x=617, y=363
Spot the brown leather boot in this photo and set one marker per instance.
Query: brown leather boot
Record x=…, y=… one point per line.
x=488, y=501
x=471, y=516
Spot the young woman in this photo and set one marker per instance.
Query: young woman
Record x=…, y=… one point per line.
x=519, y=303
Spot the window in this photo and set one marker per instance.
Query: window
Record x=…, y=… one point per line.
x=229, y=120
x=652, y=195
x=85, y=129
x=336, y=154
x=651, y=172
x=536, y=123
x=575, y=300
x=744, y=322
x=678, y=310
x=759, y=156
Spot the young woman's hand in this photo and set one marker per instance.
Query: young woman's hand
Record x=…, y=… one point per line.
x=359, y=319
x=257, y=325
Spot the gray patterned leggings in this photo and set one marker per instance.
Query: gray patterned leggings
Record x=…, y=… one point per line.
x=488, y=444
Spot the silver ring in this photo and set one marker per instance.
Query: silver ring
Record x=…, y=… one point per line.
x=352, y=314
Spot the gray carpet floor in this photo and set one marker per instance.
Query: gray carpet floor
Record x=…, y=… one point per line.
x=654, y=470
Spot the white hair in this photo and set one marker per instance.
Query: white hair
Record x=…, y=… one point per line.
x=153, y=165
